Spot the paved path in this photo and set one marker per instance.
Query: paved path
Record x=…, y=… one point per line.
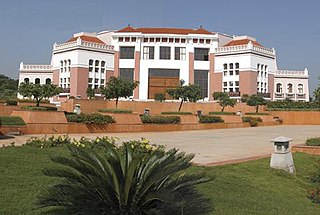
x=213, y=146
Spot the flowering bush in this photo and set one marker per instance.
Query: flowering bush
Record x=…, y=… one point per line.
x=314, y=195
x=45, y=142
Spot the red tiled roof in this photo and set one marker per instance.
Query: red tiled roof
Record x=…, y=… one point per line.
x=165, y=30
x=87, y=38
x=242, y=42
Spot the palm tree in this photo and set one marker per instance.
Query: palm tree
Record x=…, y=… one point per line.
x=124, y=181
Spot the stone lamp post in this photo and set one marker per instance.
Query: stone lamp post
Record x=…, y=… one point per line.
x=282, y=157
x=77, y=109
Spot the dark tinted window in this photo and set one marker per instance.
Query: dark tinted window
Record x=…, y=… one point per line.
x=126, y=52
x=201, y=79
x=165, y=52
x=126, y=74
x=201, y=54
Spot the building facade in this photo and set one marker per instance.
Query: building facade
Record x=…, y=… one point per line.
x=159, y=57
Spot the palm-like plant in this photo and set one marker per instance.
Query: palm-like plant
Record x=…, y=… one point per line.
x=124, y=181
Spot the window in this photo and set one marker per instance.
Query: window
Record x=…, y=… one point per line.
x=96, y=80
x=180, y=53
x=201, y=79
x=90, y=62
x=165, y=52
x=126, y=52
x=103, y=64
x=26, y=80
x=157, y=72
x=126, y=74
x=48, y=81
x=230, y=65
x=225, y=66
x=148, y=52
x=300, y=88
x=201, y=54
x=96, y=63
x=120, y=39
x=61, y=66
x=231, y=72
x=69, y=65
x=279, y=88
x=90, y=80
x=225, y=73
x=225, y=84
x=37, y=81
x=237, y=83
x=290, y=88
x=237, y=68
x=231, y=83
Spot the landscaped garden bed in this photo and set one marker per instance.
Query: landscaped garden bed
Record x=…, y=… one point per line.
x=38, y=108
x=108, y=110
x=222, y=113
x=94, y=118
x=11, y=121
x=176, y=113
x=147, y=119
x=254, y=121
x=312, y=146
x=210, y=119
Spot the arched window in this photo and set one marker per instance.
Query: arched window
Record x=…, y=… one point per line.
x=48, y=81
x=300, y=88
x=26, y=80
x=37, y=81
x=279, y=88
x=289, y=88
x=97, y=63
x=69, y=65
x=90, y=62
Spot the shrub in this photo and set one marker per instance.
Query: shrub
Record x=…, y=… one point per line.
x=71, y=97
x=105, y=110
x=31, y=101
x=39, y=108
x=94, y=118
x=314, y=194
x=160, y=97
x=160, y=119
x=254, y=113
x=11, y=121
x=221, y=113
x=253, y=121
x=11, y=102
x=176, y=113
x=292, y=106
x=210, y=119
x=314, y=141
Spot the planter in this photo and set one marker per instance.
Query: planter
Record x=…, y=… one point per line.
x=312, y=150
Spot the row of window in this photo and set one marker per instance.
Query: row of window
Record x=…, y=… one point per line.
x=231, y=69
x=279, y=88
x=262, y=70
x=65, y=65
x=96, y=66
x=37, y=81
x=164, y=40
x=200, y=54
x=65, y=82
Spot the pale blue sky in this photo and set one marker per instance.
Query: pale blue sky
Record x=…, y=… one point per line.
x=30, y=27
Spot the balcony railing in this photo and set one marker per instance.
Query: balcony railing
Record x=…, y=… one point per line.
x=279, y=95
x=301, y=96
x=66, y=90
x=234, y=94
x=264, y=95
x=290, y=95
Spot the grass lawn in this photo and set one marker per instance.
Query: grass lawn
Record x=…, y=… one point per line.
x=247, y=188
x=11, y=120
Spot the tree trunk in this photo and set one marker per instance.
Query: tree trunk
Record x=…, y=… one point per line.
x=222, y=109
x=180, y=105
x=117, y=99
x=257, y=108
x=37, y=103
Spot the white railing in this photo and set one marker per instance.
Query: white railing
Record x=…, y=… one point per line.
x=82, y=43
x=245, y=48
x=232, y=48
x=291, y=72
x=36, y=67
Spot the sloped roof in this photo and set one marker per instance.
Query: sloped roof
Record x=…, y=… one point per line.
x=183, y=31
x=242, y=42
x=87, y=38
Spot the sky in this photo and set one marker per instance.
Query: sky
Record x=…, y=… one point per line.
x=29, y=28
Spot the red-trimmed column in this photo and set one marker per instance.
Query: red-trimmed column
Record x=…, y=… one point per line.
x=116, y=64
x=211, y=76
x=271, y=85
x=109, y=73
x=136, y=73
x=191, y=68
x=55, y=77
x=79, y=82
x=248, y=82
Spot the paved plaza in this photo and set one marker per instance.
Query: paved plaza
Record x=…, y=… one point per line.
x=212, y=146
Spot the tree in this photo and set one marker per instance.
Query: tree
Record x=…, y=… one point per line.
x=316, y=94
x=256, y=100
x=90, y=92
x=224, y=99
x=117, y=88
x=191, y=93
x=8, y=87
x=125, y=180
x=38, y=92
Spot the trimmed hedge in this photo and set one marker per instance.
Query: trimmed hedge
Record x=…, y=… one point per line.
x=210, y=119
x=253, y=121
x=40, y=108
x=11, y=102
x=254, y=113
x=94, y=118
x=221, y=113
x=314, y=141
x=292, y=106
x=160, y=119
x=31, y=101
x=11, y=121
x=176, y=113
x=106, y=110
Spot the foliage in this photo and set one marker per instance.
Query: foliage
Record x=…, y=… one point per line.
x=221, y=113
x=11, y=121
x=11, y=102
x=31, y=101
x=90, y=92
x=244, y=98
x=117, y=87
x=314, y=194
x=288, y=105
x=160, y=97
x=224, y=100
x=254, y=113
x=176, y=113
x=93, y=118
x=191, y=93
x=38, y=92
x=314, y=141
x=316, y=94
x=108, y=110
x=8, y=87
x=38, y=108
x=160, y=119
x=123, y=180
x=253, y=121
x=256, y=100
x=210, y=119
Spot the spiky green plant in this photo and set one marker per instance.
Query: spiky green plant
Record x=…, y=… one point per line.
x=123, y=180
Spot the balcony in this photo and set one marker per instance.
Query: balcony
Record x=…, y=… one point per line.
x=264, y=95
x=66, y=90
x=234, y=94
x=279, y=95
x=290, y=96
x=301, y=96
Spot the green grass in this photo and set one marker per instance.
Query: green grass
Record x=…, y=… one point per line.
x=314, y=141
x=221, y=113
x=247, y=188
x=254, y=113
x=176, y=113
x=11, y=121
x=106, y=110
